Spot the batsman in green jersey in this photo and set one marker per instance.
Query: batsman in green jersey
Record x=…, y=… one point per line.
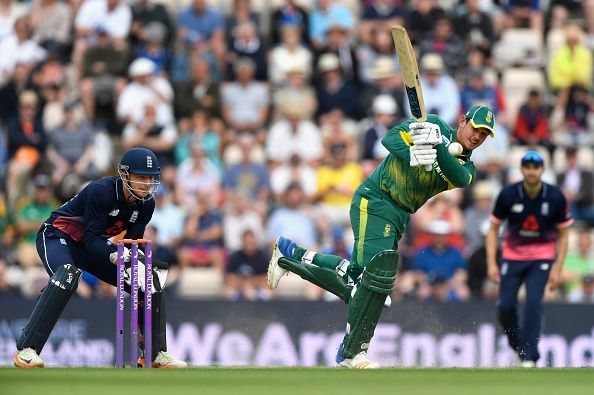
x=417, y=168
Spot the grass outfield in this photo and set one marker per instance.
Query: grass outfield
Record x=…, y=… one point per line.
x=296, y=381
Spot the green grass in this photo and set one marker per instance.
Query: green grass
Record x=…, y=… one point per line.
x=296, y=381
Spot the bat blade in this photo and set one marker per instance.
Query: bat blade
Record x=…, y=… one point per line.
x=410, y=74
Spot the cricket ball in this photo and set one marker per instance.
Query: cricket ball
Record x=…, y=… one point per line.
x=455, y=149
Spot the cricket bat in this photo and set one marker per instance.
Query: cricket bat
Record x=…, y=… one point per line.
x=410, y=74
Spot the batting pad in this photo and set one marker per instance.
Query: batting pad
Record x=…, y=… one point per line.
x=323, y=277
x=365, y=307
x=49, y=307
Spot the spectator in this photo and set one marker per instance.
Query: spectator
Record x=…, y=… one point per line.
x=239, y=218
x=18, y=47
x=52, y=23
x=295, y=89
x=423, y=18
x=381, y=15
x=293, y=171
x=337, y=181
x=194, y=174
x=145, y=88
x=30, y=214
x=570, y=65
x=578, y=112
x=442, y=261
x=103, y=72
x=475, y=27
x=532, y=123
x=290, y=55
x=200, y=91
x=293, y=135
x=324, y=14
x=334, y=91
x=439, y=89
x=525, y=14
x=200, y=132
x=241, y=13
x=289, y=14
x=10, y=12
x=476, y=215
x=477, y=91
x=246, y=43
x=168, y=222
x=202, y=29
x=148, y=133
x=113, y=16
x=155, y=48
x=145, y=14
x=294, y=218
x=384, y=109
x=246, y=272
x=26, y=144
x=577, y=185
x=579, y=261
x=9, y=93
x=71, y=147
x=245, y=102
x=203, y=234
x=338, y=130
x=248, y=177
x=380, y=46
x=385, y=81
x=339, y=44
x=584, y=294
x=443, y=41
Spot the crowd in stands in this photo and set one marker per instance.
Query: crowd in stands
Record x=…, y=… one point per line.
x=266, y=115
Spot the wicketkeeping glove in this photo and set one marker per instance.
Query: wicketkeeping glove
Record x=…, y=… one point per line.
x=425, y=133
x=421, y=155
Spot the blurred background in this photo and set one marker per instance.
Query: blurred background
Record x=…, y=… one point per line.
x=266, y=115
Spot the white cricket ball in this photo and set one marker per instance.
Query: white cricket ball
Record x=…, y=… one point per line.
x=455, y=149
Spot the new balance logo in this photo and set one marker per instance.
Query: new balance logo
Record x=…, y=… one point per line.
x=114, y=213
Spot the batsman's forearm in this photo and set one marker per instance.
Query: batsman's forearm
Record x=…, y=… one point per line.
x=451, y=168
x=98, y=248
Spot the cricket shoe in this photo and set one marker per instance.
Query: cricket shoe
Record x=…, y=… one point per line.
x=165, y=361
x=28, y=358
x=282, y=248
x=528, y=364
x=359, y=361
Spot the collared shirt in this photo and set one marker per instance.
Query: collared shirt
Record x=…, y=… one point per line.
x=99, y=212
x=532, y=223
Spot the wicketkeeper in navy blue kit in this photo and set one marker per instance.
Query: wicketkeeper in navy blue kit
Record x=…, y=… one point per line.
x=533, y=250
x=76, y=238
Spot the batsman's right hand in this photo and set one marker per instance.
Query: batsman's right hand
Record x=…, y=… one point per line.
x=422, y=155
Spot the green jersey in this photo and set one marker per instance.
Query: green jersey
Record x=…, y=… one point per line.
x=410, y=187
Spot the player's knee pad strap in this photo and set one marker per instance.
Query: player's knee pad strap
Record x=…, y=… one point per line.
x=49, y=307
x=366, y=304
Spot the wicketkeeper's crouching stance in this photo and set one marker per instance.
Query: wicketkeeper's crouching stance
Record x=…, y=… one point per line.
x=380, y=212
x=76, y=238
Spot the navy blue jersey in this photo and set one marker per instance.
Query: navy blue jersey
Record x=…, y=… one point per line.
x=532, y=224
x=99, y=212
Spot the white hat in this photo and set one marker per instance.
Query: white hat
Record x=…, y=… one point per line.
x=328, y=61
x=439, y=227
x=383, y=67
x=140, y=67
x=432, y=62
x=384, y=104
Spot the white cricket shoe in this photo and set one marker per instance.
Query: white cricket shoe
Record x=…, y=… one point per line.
x=275, y=272
x=28, y=358
x=165, y=360
x=359, y=361
x=528, y=364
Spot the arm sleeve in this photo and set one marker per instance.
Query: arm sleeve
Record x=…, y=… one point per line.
x=500, y=211
x=95, y=222
x=563, y=216
x=459, y=175
x=398, y=141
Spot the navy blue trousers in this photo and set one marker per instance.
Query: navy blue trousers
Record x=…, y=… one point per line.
x=534, y=274
x=55, y=251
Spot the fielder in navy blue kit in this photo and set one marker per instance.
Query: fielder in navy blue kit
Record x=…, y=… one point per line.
x=533, y=250
x=76, y=238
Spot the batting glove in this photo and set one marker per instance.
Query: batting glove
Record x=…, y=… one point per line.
x=425, y=133
x=421, y=155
